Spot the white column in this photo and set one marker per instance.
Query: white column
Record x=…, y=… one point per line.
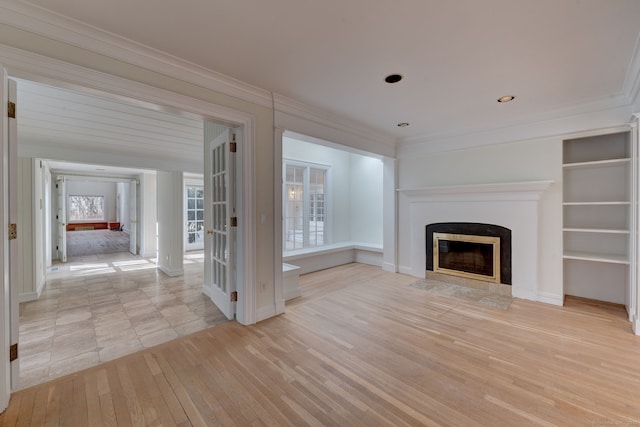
x=389, y=212
x=170, y=218
x=276, y=221
x=148, y=215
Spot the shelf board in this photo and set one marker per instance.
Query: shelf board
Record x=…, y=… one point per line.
x=597, y=230
x=612, y=203
x=596, y=163
x=608, y=258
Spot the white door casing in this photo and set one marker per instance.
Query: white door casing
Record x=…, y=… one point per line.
x=133, y=217
x=5, y=338
x=220, y=236
x=12, y=151
x=8, y=247
x=61, y=218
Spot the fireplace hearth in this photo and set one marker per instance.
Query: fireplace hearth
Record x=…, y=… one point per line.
x=473, y=251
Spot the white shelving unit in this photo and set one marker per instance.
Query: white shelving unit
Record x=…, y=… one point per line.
x=596, y=216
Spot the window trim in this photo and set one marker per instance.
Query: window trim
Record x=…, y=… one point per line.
x=104, y=209
x=327, y=227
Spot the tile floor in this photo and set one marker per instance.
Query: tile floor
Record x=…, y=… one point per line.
x=483, y=297
x=97, y=308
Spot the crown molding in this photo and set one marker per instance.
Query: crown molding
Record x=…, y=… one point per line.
x=301, y=118
x=631, y=86
x=613, y=116
x=75, y=33
x=592, y=114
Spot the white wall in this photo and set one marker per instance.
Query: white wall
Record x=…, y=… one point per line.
x=106, y=189
x=25, y=223
x=533, y=160
x=366, y=199
x=355, y=190
x=122, y=196
x=148, y=215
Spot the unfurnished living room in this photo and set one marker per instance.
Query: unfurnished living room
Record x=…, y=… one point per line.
x=418, y=213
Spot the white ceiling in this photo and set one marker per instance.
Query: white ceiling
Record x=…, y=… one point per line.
x=559, y=57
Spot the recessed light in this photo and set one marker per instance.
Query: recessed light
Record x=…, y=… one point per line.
x=506, y=98
x=393, y=78
x=403, y=124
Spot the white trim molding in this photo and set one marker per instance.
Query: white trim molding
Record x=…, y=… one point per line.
x=23, y=64
x=524, y=190
x=513, y=205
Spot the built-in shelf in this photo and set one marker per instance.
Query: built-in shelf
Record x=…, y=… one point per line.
x=596, y=216
x=585, y=256
x=596, y=203
x=596, y=230
x=596, y=163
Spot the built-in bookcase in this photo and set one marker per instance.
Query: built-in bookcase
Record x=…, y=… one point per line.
x=596, y=216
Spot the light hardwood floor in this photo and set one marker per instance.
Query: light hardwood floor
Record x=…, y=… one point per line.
x=363, y=348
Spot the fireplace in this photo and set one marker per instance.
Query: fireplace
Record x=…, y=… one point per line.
x=470, y=250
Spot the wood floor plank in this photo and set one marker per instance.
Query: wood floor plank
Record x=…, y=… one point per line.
x=361, y=347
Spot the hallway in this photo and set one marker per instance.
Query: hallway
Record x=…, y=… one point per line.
x=95, y=242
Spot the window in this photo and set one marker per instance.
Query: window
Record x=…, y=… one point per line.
x=195, y=214
x=86, y=208
x=304, y=205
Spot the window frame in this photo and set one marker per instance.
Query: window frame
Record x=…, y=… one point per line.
x=196, y=244
x=69, y=210
x=307, y=203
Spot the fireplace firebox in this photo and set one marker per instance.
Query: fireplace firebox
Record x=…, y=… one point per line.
x=470, y=250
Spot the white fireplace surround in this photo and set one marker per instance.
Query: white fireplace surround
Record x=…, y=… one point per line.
x=513, y=205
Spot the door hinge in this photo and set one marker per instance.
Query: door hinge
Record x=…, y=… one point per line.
x=13, y=231
x=234, y=296
x=11, y=110
x=233, y=147
x=13, y=352
x=234, y=221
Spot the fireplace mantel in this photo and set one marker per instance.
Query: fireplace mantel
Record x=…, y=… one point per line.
x=513, y=205
x=523, y=190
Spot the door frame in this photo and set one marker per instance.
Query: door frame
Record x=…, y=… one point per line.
x=38, y=68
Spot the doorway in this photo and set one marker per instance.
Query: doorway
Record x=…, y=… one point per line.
x=191, y=260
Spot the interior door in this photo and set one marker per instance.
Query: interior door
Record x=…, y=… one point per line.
x=133, y=217
x=220, y=237
x=61, y=218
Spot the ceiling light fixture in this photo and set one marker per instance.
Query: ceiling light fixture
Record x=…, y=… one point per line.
x=506, y=98
x=393, y=78
x=403, y=124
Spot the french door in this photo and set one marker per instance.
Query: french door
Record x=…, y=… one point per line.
x=194, y=232
x=220, y=223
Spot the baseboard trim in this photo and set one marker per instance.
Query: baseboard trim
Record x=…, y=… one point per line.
x=266, y=312
x=549, y=298
x=389, y=267
x=408, y=270
x=29, y=296
x=170, y=272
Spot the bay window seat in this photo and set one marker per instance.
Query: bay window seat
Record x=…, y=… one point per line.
x=93, y=225
x=333, y=255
